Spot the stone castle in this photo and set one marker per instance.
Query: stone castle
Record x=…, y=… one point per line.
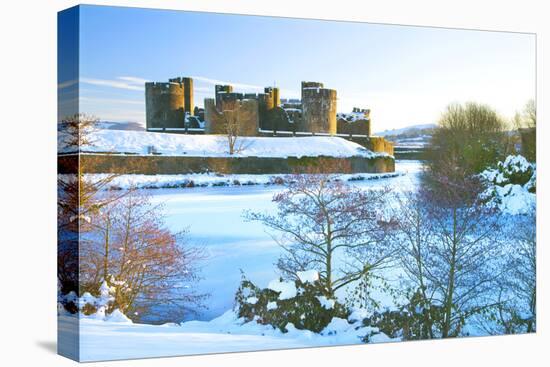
x=170, y=108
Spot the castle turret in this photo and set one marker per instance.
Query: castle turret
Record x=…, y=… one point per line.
x=272, y=97
x=164, y=105
x=318, y=109
x=167, y=103
x=188, y=98
x=311, y=85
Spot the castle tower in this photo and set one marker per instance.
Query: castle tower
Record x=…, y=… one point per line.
x=310, y=85
x=228, y=100
x=318, y=109
x=276, y=97
x=188, y=98
x=219, y=90
x=272, y=98
x=164, y=105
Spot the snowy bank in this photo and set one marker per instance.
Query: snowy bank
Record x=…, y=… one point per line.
x=511, y=186
x=107, y=336
x=146, y=143
x=214, y=180
x=108, y=340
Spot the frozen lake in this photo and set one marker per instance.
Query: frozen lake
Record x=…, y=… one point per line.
x=214, y=217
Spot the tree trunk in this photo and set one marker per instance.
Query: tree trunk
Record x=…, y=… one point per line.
x=450, y=290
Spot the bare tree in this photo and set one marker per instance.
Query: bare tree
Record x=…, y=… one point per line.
x=329, y=226
x=233, y=129
x=517, y=291
x=153, y=269
x=414, y=235
x=81, y=196
x=528, y=117
x=78, y=193
x=473, y=133
x=76, y=131
x=77, y=196
x=453, y=257
x=463, y=257
x=524, y=271
x=526, y=124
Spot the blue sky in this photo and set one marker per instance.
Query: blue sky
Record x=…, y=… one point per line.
x=405, y=75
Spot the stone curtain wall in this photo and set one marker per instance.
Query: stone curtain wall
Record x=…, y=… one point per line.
x=357, y=127
x=150, y=165
x=247, y=116
x=380, y=145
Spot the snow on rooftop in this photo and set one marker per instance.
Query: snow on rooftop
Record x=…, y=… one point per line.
x=143, y=143
x=352, y=116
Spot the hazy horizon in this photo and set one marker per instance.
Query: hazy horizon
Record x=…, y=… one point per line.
x=406, y=75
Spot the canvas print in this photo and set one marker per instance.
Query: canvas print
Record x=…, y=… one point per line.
x=232, y=183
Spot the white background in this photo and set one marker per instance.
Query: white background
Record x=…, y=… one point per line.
x=28, y=182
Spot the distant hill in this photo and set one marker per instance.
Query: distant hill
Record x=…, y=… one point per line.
x=409, y=138
x=408, y=130
x=126, y=126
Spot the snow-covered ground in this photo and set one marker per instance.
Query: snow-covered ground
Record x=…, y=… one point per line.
x=109, y=340
x=418, y=142
x=215, y=179
x=144, y=143
x=234, y=245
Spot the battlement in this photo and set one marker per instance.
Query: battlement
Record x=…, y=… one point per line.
x=311, y=85
x=181, y=80
x=160, y=86
x=312, y=92
x=365, y=111
x=291, y=100
x=223, y=88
